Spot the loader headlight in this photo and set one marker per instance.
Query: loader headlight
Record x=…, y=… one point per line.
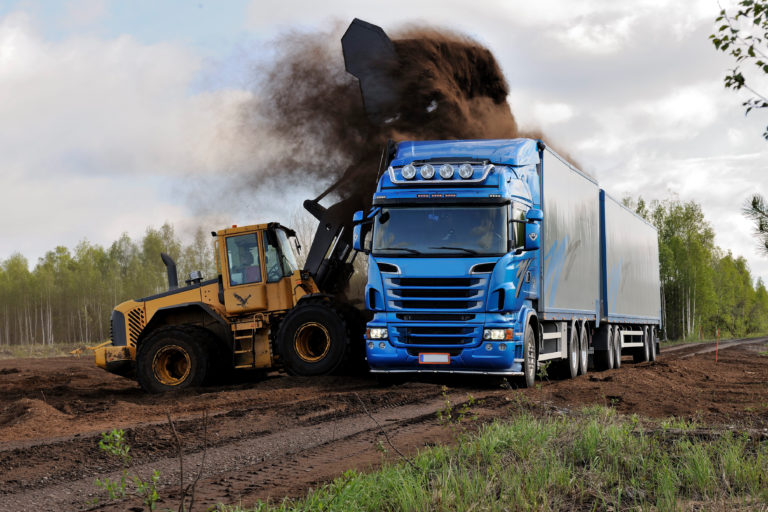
x=446, y=171
x=409, y=172
x=466, y=171
x=427, y=171
x=498, y=334
x=377, y=333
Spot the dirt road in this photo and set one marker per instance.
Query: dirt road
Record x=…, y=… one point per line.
x=282, y=435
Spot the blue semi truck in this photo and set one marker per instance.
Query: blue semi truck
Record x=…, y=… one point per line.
x=497, y=256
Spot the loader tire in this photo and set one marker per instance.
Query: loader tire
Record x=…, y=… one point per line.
x=313, y=339
x=173, y=358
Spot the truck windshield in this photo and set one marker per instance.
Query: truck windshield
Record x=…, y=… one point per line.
x=415, y=231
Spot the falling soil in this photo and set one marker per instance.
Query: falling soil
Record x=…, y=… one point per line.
x=282, y=435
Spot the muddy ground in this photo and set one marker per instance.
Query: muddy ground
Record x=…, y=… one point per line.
x=280, y=436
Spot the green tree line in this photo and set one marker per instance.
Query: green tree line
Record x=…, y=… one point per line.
x=705, y=289
x=68, y=295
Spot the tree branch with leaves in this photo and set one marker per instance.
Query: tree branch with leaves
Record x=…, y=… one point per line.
x=744, y=36
x=756, y=209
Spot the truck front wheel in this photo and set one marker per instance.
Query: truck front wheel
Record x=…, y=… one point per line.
x=530, y=358
x=172, y=358
x=312, y=340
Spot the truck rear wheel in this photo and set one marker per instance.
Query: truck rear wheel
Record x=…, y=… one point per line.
x=530, y=358
x=604, y=358
x=652, y=336
x=643, y=354
x=573, y=353
x=173, y=357
x=312, y=340
x=583, y=349
x=617, y=347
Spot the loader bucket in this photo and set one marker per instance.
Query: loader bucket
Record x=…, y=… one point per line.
x=369, y=55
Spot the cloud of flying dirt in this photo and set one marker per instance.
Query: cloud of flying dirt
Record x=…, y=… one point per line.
x=448, y=87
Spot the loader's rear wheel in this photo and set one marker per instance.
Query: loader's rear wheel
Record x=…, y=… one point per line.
x=312, y=340
x=172, y=358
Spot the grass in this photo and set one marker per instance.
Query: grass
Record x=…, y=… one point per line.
x=593, y=460
x=54, y=350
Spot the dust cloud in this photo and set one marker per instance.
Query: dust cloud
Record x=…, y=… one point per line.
x=447, y=87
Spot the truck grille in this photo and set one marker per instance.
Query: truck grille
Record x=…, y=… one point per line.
x=426, y=293
x=434, y=335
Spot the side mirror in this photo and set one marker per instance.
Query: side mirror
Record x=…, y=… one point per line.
x=357, y=230
x=532, y=236
x=534, y=215
x=533, y=229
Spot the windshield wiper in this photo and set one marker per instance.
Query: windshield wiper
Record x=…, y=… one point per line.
x=470, y=251
x=406, y=249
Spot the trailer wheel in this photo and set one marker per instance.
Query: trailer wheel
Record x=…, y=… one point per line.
x=652, y=346
x=583, y=350
x=530, y=359
x=643, y=354
x=312, y=340
x=573, y=353
x=173, y=357
x=617, y=347
x=604, y=358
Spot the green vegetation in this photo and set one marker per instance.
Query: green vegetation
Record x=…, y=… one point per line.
x=114, y=444
x=705, y=289
x=68, y=296
x=596, y=460
x=744, y=36
x=33, y=350
x=756, y=209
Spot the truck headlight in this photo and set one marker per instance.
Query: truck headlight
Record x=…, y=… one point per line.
x=466, y=171
x=427, y=171
x=446, y=171
x=377, y=333
x=408, y=172
x=498, y=334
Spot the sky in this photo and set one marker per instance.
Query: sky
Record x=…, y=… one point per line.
x=116, y=116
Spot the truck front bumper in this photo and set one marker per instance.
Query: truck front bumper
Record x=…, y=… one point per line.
x=118, y=360
x=383, y=357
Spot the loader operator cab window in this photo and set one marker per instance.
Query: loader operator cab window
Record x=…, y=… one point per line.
x=279, y=258
x=243, y=256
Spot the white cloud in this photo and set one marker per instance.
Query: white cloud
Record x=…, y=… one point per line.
x=97, y=136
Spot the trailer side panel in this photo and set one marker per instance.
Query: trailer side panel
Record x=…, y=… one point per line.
x=571, y=249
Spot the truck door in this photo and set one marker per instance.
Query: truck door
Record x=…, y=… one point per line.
x=244, y=274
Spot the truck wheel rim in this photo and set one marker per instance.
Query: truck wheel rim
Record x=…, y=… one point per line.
x=171, y=365
x=312, y=342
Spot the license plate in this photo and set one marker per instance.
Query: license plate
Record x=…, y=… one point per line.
x=434, y=358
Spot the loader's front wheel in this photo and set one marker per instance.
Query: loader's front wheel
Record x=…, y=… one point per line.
x=312, y=339
x=172, y=358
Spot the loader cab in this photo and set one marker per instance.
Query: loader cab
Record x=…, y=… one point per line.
x=256, y=264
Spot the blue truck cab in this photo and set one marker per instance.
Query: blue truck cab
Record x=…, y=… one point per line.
x=450, y=275
x=493, y=256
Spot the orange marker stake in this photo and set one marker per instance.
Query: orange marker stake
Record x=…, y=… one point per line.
x=717, y=343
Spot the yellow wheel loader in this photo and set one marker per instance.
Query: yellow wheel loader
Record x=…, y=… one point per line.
x=261, y=311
